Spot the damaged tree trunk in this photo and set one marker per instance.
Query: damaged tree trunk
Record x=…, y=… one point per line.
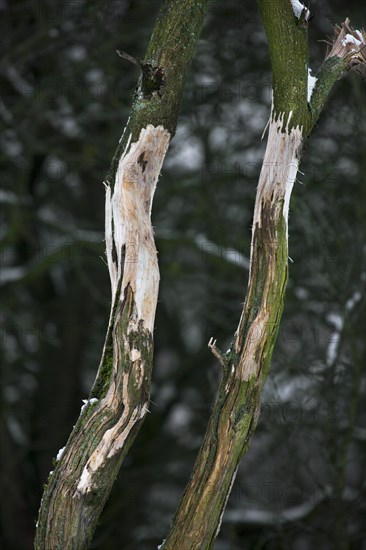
x=295, y=109
x=86, y=468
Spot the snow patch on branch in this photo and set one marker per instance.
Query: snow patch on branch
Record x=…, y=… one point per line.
x=60, y=453
x=311, y=84
x=231, y=255
x=338, y=322
x=88, y=402
x=300, y=10
x=267, y=518
x=12, y=274
x=351, y=40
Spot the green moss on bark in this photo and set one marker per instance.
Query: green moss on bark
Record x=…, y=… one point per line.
x=236, y=409
x=164, y=71
x=102, y=381
x=74, y=514
x=331, y=70
x=288, y=47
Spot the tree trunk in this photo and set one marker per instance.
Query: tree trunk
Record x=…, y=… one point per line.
x=85, y=470
x=246, y=365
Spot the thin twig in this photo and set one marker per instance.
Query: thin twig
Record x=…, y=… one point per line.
x=216, y=352
x=129, y=57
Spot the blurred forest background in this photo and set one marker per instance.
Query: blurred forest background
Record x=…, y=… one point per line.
x=65, y=98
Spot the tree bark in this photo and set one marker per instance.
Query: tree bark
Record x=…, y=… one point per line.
x=85, y=470
x=246, y=364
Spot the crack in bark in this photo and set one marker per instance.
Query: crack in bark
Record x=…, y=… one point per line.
x=142, y=162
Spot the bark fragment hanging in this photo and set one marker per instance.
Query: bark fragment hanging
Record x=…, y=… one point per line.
x=349, y=44
x=268, y=269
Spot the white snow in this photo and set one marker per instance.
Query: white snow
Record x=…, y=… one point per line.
x=22, y=86
x=311, y=83
x=353, y=300
x=350, y=39
x=16, y=431
x=60, y=453
x=9, y=197
x=338, y=322
x=231, y=255
x=264, y=517
x=10, y=274
x=87, y=401
x=298, y=8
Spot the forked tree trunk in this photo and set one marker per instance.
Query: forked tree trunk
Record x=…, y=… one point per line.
x=85, y=471
x=84, y=474
x=246, y=365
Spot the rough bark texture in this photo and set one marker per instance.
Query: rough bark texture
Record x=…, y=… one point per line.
x=85, y=471
x=164, y=70
x=245, y=366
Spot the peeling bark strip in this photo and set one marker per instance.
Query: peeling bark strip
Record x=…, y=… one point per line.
x=128, y=228
x=269, y=248
x=246, y=365
x=109, y=421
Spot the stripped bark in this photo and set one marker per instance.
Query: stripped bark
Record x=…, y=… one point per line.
x=246, y=364
x=134, y=271
x=86, y=468
x=232, y=423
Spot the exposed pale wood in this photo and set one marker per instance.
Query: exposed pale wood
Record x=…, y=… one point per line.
x=236, y=410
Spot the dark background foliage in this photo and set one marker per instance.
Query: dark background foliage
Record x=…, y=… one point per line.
x=65, y=99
